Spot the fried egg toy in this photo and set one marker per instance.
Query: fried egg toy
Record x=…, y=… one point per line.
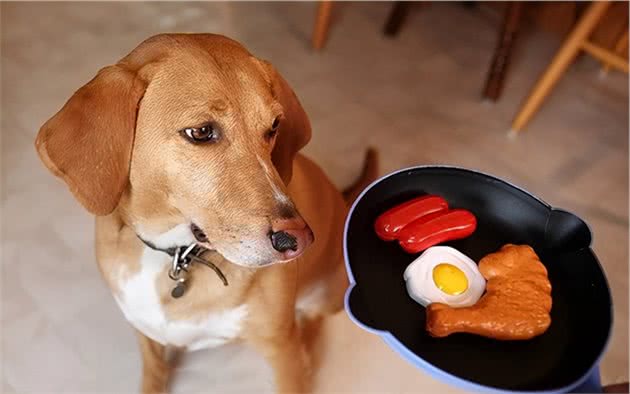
x=445, y=275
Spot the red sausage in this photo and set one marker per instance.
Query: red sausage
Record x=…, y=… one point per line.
x=437, y=228
x=389, y=224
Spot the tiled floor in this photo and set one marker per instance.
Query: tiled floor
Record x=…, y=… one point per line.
x=417, y=98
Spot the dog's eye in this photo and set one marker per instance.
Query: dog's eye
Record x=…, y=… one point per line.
x=205, y=133
x=275, y=124
x=271, y=133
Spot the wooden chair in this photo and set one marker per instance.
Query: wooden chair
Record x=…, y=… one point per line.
x=577, y=40
x=503, y=52
x=400, y=9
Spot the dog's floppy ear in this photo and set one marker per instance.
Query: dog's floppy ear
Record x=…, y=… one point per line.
x=295, y=129
x=88, y=142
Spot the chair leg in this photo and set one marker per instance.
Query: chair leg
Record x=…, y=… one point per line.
x=396, y=18
x=503, y=52
x=563, y=58
x=322, y=24
x=620, y=47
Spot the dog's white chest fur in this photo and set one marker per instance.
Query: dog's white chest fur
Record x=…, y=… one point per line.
x=140, y=302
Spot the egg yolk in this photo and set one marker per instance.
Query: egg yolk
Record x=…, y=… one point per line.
x=450, y=279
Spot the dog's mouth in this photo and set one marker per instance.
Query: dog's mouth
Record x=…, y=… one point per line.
x=200, y=236
x=286, y=246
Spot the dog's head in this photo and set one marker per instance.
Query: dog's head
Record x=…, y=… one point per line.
x=188, y=133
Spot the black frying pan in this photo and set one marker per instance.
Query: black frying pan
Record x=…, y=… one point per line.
x=582, y=309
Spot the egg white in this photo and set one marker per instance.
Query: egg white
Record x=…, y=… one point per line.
x=422, y=288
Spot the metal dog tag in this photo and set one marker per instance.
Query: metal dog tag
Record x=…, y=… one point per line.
x=179, y=289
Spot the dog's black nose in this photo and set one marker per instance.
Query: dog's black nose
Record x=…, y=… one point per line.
x=282, y=241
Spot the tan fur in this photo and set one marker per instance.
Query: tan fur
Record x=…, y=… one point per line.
x=116, y=144
x=156, y=370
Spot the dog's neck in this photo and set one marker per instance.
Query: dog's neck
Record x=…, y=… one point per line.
x=183, y=255
x=178, y=241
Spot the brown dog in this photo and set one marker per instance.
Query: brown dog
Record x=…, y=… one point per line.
x=190, y=140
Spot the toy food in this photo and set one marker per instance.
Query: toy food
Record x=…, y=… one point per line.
x=436, y=228
x=443, y=274
x=389, y=224
x=516, y=304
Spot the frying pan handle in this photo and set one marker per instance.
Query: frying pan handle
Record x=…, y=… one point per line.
x=565, y=232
